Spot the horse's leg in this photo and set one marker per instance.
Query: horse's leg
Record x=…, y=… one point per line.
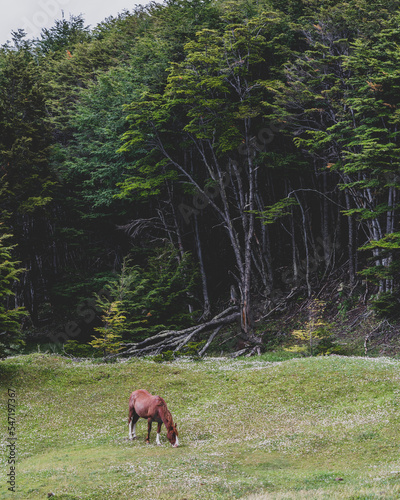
x=149, y=422
x=133, y=418
x=158, y=433
x=133, y=427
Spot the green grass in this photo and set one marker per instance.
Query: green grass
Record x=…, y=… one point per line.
x=321, y=428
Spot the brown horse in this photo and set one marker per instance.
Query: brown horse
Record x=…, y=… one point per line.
x=143, y=405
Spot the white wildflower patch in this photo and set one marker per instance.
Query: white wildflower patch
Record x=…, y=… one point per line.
x=194, y=474
x=224, y=364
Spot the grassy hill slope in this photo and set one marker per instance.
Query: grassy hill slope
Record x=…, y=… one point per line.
x=305, y=428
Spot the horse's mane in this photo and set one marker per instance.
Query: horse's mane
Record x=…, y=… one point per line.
x=161, y=402
x=165, y=410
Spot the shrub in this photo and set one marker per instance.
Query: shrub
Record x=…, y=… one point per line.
x=74, y=348
x=385, y=305
x=316, y=337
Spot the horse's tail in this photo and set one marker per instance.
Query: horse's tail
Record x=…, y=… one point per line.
x=132, y=398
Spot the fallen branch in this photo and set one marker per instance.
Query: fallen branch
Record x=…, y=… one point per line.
x=211, y=338
x=175, y=340
x=239, y=353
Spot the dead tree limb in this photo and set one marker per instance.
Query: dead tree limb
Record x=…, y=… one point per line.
x=175, y=340
x=211, y=338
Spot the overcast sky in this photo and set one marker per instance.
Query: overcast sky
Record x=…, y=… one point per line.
x=33, y=15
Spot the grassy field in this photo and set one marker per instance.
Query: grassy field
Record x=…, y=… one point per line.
x=308, y=428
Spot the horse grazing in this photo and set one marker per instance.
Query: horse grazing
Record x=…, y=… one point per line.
x=143, y=405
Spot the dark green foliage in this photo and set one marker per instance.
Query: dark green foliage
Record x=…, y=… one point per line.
x=25, y=137
x=28, y=185
x=386, y=305
x=64, y=35
x=159, y=295
x=10, y=315
x=191, y=350
x=93, y=164
x=165, y=357
x=74, y=348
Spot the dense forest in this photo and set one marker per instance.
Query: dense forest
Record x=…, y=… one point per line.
x=195, y=163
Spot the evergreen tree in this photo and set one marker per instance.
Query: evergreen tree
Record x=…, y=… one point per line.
x=28, y=181
x=64, y=35
x=109, y=340
x=10, y=314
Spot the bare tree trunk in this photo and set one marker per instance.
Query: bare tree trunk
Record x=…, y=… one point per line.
x=307, y=270
x=294, y=252
x=206, y=300
x=267, y=275
x=351, y=246
x=325, y=224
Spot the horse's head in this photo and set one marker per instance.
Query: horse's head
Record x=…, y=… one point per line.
x=172, y=435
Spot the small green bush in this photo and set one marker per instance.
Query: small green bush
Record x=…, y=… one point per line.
x=190, y=350
x=385, y=305
x=165, y=356
x=74, y=348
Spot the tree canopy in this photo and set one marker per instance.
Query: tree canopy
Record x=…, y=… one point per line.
x=232, y=151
